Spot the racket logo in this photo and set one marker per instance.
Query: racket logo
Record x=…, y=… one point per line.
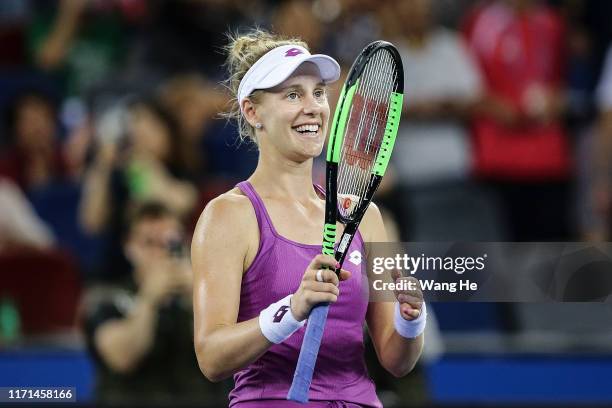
x=366, y=136
x=292, y=52
x=280, y=313
x=347, y=203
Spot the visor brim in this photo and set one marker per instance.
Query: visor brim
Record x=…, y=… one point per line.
x=328, y=69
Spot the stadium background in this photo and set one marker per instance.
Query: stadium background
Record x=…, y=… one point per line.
x=69, y=69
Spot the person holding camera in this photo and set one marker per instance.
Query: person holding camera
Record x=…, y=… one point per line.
x=133, y=163
x=141, y=335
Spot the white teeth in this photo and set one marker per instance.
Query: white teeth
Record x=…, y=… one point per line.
x=307, y=128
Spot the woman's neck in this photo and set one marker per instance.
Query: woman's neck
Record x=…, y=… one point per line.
x=278, y=176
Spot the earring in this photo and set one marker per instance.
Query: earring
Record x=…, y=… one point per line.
x=258, y=125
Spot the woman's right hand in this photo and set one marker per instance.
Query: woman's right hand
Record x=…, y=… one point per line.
x=311, y=291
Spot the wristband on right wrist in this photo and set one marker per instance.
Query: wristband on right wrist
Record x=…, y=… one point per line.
x=277, y=322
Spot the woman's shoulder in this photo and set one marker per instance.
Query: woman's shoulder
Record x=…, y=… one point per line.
x=230, y=215
x=227, y=226
x=231, y=207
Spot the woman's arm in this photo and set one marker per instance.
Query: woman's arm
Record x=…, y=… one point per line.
x=225, y=242
x=224, y=236
x=397, y=354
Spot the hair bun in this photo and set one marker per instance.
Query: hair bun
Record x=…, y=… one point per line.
x=242, y=52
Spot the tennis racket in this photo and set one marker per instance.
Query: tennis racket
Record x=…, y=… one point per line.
x=361, y=139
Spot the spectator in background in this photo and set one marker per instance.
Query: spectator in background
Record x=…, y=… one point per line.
x=583, y=60
x=433, y=155
x=296, y=18
x=141, y=334
x=19, y=223
x=580, y=72
x=354, y=25
x=38, y=161
x=601, y=180
x=57, y=43
x=180, y=36
x=82, y=41
x=133, y=164
x=521, y=146
x=13, y=16
x=34, y=156
x=193, y=103
x=595, y=18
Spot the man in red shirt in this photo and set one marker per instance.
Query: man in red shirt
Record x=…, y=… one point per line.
x=519, y=141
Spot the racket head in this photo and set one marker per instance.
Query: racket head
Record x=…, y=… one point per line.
x=364, y=128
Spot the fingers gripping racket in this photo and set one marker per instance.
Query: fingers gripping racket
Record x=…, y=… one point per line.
x=361, y=139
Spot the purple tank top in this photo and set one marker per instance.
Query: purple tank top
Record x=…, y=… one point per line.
x=340, y=376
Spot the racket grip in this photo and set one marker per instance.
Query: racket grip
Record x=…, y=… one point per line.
x=308, y=354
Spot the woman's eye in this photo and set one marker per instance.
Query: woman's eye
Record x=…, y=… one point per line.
x=292, y=96
x=320, y=93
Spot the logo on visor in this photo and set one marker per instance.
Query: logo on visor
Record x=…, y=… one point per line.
x=292, y=52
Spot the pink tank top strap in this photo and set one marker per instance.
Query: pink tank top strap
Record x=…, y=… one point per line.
x=263, y=219
x=319, y=189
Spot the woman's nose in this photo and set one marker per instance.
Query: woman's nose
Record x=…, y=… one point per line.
x=311, y=105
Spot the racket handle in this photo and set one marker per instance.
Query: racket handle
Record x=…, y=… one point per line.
x=308, y=354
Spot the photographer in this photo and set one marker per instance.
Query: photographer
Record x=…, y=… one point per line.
x=141, y=335
x=133, y=164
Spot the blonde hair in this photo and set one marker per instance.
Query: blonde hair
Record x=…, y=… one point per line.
x=242, y=52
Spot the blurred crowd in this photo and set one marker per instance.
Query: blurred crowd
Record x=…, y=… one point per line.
x=111, y=126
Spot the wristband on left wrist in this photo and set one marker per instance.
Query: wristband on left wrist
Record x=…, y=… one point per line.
x=409, y=329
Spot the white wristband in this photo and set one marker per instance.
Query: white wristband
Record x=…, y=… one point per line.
x=277, y=322
x=409, y=328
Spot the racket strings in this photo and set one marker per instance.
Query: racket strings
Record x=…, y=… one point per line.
x=359, y=151
x=365, y=130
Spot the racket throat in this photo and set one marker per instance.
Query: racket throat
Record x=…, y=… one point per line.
x=344, y=243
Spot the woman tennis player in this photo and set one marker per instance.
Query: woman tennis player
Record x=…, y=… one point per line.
x=257, y=257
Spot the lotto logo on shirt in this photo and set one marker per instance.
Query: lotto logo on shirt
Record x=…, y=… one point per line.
x=355, y=257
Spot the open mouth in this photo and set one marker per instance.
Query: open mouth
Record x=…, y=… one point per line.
x=308, y=130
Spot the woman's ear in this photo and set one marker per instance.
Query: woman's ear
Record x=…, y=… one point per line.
x=249, y=111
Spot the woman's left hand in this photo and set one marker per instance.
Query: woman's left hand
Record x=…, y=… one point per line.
x=411, y=299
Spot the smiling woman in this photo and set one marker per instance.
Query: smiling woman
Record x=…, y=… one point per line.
x=256, y=251
x=293, y=114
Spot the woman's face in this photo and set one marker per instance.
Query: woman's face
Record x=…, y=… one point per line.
x=294, y=115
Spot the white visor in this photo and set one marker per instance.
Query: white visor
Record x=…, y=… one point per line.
x=279, y=63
